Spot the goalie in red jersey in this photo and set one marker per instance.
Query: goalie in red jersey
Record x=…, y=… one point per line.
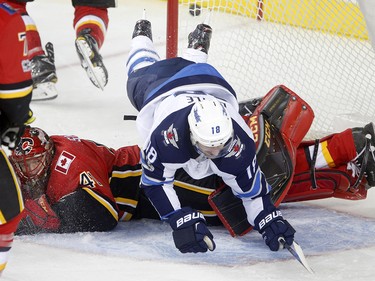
x=71, y=184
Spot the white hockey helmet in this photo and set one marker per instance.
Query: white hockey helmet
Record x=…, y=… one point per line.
x=210, y=125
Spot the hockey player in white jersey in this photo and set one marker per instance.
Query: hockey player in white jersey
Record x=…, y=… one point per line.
x=188, y=118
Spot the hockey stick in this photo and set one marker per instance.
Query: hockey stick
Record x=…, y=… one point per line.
x=297, y=252
x=130, y=117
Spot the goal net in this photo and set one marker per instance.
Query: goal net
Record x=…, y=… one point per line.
x=320, y=49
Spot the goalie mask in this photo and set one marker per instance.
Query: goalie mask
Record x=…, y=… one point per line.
x=211, y=128
x=31, y=160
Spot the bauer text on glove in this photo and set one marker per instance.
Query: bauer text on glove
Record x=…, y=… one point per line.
x=190, y=232
x=273, y=226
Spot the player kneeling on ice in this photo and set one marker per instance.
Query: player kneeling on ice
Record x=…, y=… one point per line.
x=188, y=118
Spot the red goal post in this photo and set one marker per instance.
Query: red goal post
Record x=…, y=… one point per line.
x=172, y=28
x=318, y=48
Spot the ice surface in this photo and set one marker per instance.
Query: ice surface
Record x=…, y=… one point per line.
x=337, y=236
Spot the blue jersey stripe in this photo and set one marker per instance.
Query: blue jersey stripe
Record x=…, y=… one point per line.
x=140, y=60
x=147, y=181
x=191, y=74
x=139, y=51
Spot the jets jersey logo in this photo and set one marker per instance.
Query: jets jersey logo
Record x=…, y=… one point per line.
x=236, y=149
x=170, y=136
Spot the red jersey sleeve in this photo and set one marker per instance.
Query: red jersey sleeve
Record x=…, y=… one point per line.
x=79, y=164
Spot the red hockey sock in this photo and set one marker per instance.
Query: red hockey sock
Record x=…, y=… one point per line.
x=338, y=149
x=93, y=18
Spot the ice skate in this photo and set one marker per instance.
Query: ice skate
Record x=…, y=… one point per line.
x=88, y=52
x=43, y=72
x=142, y=28
x=360, y=135
x=200, y=38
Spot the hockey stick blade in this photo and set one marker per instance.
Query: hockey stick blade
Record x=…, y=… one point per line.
x=297, y=252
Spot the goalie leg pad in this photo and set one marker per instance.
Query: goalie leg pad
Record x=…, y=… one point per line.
x=329, y=183
x=230, y=210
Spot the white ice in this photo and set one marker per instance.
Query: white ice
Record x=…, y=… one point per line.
x=336, y=235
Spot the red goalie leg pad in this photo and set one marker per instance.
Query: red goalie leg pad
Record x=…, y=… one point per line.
x=330, y=183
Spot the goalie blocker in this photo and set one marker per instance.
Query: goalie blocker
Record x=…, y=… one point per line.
x=279, y=122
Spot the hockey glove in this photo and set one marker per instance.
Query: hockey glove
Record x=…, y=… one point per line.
x=10, y=134
x=190, y=232
x=39, y=217
x=10, y=137
x=272, y=226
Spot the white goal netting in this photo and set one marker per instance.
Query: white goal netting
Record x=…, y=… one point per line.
x=319, y=49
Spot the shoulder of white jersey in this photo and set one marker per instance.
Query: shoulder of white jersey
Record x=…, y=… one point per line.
x=170, y=139
x=155, y=112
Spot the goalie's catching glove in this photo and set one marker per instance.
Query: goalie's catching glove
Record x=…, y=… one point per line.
x=271, y=224
x=39, y=217
x=190, y=232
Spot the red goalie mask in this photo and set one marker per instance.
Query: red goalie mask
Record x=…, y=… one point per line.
x=32, y=157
